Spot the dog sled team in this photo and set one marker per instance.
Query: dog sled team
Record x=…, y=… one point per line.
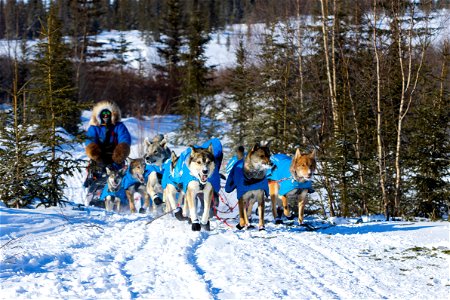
x=114, y=180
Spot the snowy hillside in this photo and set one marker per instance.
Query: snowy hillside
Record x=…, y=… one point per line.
x=66, y=253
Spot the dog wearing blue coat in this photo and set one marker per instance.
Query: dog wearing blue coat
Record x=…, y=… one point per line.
x=290, y=178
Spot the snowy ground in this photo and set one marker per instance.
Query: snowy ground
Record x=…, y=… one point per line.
x=62, y=253
x=65, y=253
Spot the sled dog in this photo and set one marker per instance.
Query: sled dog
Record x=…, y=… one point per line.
x=134, y=181
x=171, y=187
x=156, y=153
x=201, y=165
x=113, y=193
x=291, y=179
x=248, y=177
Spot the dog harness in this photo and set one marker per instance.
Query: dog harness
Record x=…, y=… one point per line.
x=281, y=173
x=128, y=180
x=183, y=175
x=237, y=180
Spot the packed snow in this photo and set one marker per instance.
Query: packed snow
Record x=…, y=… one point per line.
x=71, y=252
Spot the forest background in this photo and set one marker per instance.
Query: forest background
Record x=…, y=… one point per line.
x=365, y=83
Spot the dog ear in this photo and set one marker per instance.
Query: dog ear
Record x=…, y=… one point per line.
x=146, y=141
x=256, y=147
x=267, y=143
x=173, y=156
x=108, y=171
x=123, y=171
x=297, y=153
x=313, y=153
x=210, y=148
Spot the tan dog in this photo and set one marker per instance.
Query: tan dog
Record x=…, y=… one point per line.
x=291, y=179
x=248, y=177
x=134, y=181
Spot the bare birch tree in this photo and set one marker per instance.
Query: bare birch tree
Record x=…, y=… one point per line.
x=409, y=78
x=380, y=152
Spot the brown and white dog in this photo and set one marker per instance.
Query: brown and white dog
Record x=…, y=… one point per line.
x=134, y=181
x=248, y=177
x=291, y=179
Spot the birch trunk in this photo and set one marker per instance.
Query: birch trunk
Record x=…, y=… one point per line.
x=405, y=101
x=380, y=156
x=331, y=81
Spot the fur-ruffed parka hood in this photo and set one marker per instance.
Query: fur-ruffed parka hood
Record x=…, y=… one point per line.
x=111, y=106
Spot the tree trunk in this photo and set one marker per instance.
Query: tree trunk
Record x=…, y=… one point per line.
x=405, y=103
x=380, y=155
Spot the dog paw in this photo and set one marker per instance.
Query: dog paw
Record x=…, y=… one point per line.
x=206, y=226
x=196, y=226
x=142, y=210
x=240, y=227
x=290, y=218
x=279, y=212
x=278, y=221
x=179, y=215
x=157, y=200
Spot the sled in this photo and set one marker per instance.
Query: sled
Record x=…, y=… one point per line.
x=94, y=183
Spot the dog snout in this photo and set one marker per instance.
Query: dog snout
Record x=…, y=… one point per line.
x=205, y=171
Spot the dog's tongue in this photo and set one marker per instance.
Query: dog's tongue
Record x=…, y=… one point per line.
x=204, y=178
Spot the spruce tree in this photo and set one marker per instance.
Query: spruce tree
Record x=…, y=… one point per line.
x=171, y=40
x=242, y=109
x=196, y=101
x=53, y=107
x=21, y=181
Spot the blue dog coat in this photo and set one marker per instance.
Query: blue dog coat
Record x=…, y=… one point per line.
x=128, y=180
x=120, y=194
x=236, y=180
x=183, y=175
x=281, y=173
x=167, y=177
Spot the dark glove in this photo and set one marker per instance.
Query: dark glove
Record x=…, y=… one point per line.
x=121, y=153
x=94, y=152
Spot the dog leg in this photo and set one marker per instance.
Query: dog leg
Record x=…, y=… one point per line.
x=130, y=197
x=117, y=201
x=146, y=205
x=301, y=205
x=152, y=184
x=207, y=199
x=108, y=203
x=191, y=203
x=286, y=212
x=273, y=192
x=261, y=206
x=242, y=214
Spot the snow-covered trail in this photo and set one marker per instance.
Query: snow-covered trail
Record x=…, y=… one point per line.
x=70, y=254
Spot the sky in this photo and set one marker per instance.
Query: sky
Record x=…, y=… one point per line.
x=68, y=253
